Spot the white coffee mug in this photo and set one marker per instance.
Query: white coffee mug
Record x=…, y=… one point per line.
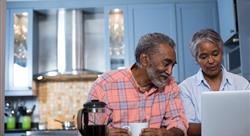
x=136, y=128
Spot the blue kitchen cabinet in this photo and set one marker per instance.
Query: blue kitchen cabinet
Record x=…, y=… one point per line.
x=19, y=52
x=137, y=20
x=179, y=21
x=227, y=18
x=229, y=32
x=147, y=19
x=243, y=8
x=192, y=17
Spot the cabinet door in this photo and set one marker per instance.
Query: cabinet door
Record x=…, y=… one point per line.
x=151, y=18
x=192, y=17
x=227, y=18
x=244, y=34
x=116, y=40
x=19, y=52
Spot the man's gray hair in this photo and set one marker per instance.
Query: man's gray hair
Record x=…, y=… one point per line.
x=148, y=42
x=205, y=35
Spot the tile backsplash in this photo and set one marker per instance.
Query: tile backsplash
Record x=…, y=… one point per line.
x=61, y=100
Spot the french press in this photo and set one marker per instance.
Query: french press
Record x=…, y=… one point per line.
x=91, y=120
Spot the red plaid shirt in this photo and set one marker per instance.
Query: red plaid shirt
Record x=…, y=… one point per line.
x=120, y=91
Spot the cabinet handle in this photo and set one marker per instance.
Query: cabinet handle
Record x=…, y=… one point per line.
x=231, y=31
x=236, y=40
x=29, y=87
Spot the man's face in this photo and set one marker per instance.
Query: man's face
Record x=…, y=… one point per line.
x=160, y=65
x=209, y=57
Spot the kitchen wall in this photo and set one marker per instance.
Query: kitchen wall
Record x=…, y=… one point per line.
x=61, y=100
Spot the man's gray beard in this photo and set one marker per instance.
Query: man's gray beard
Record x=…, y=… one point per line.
x=159, y=84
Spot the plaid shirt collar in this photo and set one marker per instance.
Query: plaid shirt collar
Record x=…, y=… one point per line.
x=152, y=90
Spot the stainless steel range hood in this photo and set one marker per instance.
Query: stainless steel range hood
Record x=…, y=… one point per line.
x=65, y=57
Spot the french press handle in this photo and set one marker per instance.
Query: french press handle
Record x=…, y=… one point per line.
x=82, y=128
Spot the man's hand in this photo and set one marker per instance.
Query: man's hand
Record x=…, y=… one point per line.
x=118, y=132
x=153, y=132
x=161, y=132
x=194, y=129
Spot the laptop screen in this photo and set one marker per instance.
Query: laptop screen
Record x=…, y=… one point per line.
x=225, y=113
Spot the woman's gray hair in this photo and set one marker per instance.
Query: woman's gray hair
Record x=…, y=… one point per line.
x=205, y=35
x=148, y=42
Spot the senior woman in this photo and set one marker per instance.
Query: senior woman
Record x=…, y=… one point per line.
x=207, y=49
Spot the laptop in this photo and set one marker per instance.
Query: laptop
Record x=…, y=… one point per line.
x=226, y=113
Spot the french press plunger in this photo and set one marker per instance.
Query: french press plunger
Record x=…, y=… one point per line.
x=91, y=120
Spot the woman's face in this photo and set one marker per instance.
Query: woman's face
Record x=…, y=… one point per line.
x=209, y=57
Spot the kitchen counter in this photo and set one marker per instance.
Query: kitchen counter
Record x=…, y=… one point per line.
x=53, y=132
x=15, y=131
x=36, y=132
